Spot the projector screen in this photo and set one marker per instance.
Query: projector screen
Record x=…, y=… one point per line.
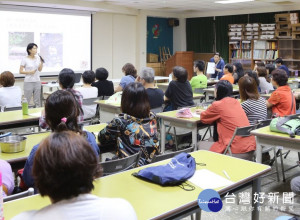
x=64, y=41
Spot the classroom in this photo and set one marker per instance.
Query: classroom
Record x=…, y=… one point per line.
x=148, y=109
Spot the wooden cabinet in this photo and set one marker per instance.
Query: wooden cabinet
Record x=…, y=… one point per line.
x=289, y=51
x=157, y=68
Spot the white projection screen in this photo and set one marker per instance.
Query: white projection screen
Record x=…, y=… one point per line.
x=64, y=40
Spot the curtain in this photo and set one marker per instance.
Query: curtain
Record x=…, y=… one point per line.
x=200, y=34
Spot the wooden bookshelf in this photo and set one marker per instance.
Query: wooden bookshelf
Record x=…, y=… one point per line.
x=289, y=51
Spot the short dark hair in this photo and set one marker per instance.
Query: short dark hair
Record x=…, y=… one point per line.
x=135, y=101
x=7, y=79
x=280, y=77
x=88, y=77
x=129, y=69
x=248, y=88
x=65, y=166
x=252, y=74
x=180, y=73
x=62, y=104
x=101, y=74
x=260, y=63
x=200, y=64
x=239, y=71
x=29, y=47
x=261, y=71
x=217, y=53
x=224, y=89
x=270, y=67
x=66, y=78
x=279, y=60
x=229, y=67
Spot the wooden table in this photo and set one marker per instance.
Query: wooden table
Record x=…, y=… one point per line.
x=169, y=118
x=152, y=201
x=34, y=139
x=108, y=111
x=267, y=138
x=16, y=119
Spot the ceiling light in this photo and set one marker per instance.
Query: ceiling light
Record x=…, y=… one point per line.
x=233, y=1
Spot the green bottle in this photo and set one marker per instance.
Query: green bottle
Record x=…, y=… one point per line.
x=25, y=106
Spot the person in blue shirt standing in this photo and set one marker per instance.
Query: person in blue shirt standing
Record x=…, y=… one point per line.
x=219, y=66
x=280, y=65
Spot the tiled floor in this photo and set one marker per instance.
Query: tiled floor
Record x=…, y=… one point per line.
x=283, y=207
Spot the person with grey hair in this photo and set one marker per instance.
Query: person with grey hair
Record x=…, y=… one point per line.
x=155, y=95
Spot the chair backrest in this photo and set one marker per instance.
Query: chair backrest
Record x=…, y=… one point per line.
x=29, y=192
x=105, y=97
x=239, y=131
x=263, y=123
x=90, y=101
x=161, y=157
x=198, y=90
x=119, y=165
x=8, y=109
x=156, y=110
x=77, y=77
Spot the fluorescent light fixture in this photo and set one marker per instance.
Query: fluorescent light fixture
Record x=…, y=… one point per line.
x=233, y=1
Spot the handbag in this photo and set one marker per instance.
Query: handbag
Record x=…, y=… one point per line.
x=179, y=169
x=287, y=125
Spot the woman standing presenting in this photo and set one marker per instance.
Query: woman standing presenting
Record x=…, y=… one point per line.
x=31, y=66
x=219, y=66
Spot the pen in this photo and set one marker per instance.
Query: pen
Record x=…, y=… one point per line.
x=226, y=174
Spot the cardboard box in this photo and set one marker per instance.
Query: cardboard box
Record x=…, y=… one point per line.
x=152, y=58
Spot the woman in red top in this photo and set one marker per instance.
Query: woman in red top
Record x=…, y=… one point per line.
x=282, y=100
x=228, y=113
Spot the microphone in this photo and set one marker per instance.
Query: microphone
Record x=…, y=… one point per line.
x=41, y=58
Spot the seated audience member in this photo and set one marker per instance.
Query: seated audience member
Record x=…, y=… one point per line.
x=264, y=84
x=270, y=67
x=87, y=91
x=257, y=64
x=228, y=113
x=199, y=81
x=295, y=185
x=62, y=111
x=8, y=183
x=282, y=100
x=238, y=72
x=64, y=169
x=253, y=74
x=228, y=71
x=10, y=95
x=155, y=95
x=280, y=65
x=105, y=87
x=130, y=74
x=66, y=79
x=179, y=91
x=135, y=128
x=253, y=105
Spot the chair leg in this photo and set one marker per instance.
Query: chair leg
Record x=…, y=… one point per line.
x=175, y=137
x=276, y=164
x=286, y=154
x=282, y=165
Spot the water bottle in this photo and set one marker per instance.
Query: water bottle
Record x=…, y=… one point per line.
x=1, y=199
x=296, y=73
x=25, y=106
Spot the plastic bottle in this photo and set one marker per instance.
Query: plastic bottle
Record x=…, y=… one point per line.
x=25, y=106
x=296, y=73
